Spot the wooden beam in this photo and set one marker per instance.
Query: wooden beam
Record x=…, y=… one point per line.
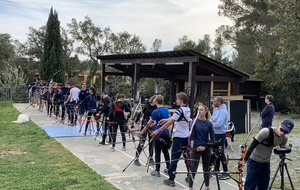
x=116, y=73
x=152, y=60
x=136, y=78
x=217, y=70
x=201, y=78
x=229, y=89
x=212, y=87
x=152, y=70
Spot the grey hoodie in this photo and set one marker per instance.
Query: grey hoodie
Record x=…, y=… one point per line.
x=220, y=120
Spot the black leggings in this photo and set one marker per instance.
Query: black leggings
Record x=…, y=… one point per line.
x=206, y=154
x=89, y=115
x=122, y=125
x=161, y=147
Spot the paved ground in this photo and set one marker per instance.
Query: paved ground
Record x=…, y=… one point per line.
x=111, y=164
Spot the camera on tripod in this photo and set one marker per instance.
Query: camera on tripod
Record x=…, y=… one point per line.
x=283, y=151
x=282, y=167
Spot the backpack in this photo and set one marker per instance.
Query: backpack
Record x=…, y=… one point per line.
x=269, y=142
x=117, y=109
x=181, y=116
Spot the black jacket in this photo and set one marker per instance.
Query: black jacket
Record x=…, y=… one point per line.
x=118, y=116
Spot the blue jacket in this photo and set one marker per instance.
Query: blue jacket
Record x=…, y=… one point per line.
x=220, y=120
x=90, y=101
x=159, y=114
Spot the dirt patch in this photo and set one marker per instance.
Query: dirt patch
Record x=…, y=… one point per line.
x=12, y=153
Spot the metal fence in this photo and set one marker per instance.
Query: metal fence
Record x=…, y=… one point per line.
x=16, y=94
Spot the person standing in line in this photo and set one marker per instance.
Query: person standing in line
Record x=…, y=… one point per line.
x=83, y=108
x=220, y=120
x=268, y=112
x=91, y=105
x=181, y=135
x=160, y=145
x=65, y=108
x=201, y=133
x=44, y=95
x=72, y=99
x=106, y=100
x=259, y=153
x=146, y=112
x=118, y=117
x=53, y=99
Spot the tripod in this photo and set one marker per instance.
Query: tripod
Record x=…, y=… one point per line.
x=281, y=166
x=143, y=149
x=31, y=104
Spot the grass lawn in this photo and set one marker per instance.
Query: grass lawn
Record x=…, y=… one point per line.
x=30, y=159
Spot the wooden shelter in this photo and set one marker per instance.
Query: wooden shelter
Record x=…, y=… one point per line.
x=198, y=75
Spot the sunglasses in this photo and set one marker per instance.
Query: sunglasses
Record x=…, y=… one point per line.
x=283, y=131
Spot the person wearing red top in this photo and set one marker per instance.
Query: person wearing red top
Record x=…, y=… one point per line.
x=118, y=117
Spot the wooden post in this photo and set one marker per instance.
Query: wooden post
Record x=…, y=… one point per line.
x=229, y=89
x=103, y=75
x=135, y=81
x=212, y=87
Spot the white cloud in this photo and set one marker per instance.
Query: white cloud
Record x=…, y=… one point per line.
x=167, y=20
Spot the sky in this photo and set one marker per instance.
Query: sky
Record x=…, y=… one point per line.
x=167, y=20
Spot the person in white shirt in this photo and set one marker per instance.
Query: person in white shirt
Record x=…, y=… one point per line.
x=182, y=132
x=73, y=98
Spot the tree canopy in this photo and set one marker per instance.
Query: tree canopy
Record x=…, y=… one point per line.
x=263, y=42
x=52, y=67
x=266, y=38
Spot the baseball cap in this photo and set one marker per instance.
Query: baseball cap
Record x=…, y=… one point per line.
x=287, y=125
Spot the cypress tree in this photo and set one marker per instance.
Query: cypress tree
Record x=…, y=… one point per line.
x=52, y=67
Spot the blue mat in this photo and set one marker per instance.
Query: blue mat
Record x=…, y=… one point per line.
x=65, y=131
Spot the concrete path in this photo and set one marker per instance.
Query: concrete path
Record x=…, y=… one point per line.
x=111, y=164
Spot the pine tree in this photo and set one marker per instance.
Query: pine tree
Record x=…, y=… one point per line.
x=52, y=67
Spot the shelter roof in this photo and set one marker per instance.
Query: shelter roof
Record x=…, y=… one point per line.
x=170, y=64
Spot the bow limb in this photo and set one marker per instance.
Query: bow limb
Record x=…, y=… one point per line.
x=190, y=145
x=251, y=131
x=241, y=163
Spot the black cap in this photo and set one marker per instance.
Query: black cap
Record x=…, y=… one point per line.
x=287, y=125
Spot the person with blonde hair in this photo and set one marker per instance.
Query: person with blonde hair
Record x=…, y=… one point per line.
x=201, y=133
